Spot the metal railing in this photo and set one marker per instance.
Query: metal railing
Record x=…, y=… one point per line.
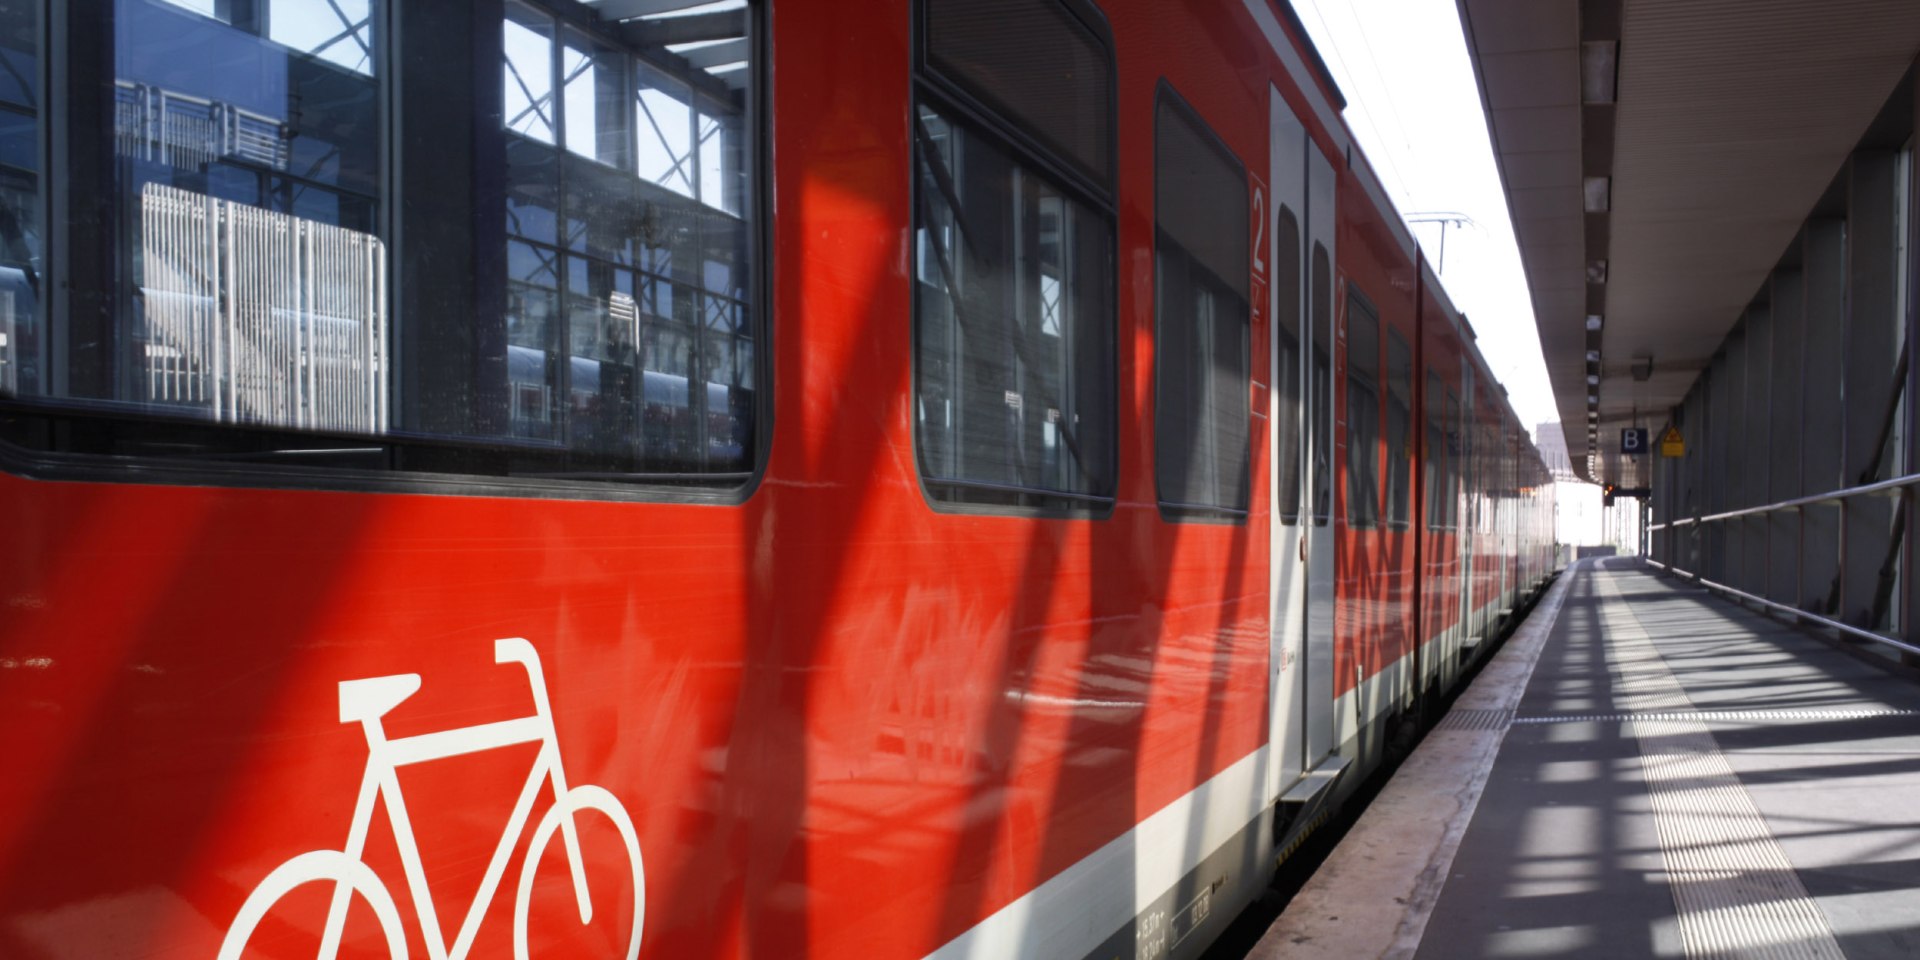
x=261, y=317
x=1901, y=488
x=152, y=123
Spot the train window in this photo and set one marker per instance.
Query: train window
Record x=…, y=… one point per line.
x=1399, y=431
x=1363, y=412
x=1014, y=319
x=1286, y=375
x=1434, y=454
x=1201, y=411
x=360, y=233
x=1319, y=438
x=22, y=253
x=1456, y=460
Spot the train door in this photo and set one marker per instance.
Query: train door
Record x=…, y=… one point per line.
x=1319, y=335
x=1300, y=715
x=1286, y=437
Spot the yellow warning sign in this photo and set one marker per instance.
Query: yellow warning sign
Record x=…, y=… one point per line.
x=1671, y=443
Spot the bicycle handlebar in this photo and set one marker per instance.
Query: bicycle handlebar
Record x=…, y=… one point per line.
x=515, y=650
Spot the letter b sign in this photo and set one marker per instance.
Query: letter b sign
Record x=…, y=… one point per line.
x=1633, y=441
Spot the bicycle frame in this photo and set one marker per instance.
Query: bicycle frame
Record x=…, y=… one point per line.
x=381, y=781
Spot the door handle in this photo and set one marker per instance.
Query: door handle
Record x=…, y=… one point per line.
x=1303, y=548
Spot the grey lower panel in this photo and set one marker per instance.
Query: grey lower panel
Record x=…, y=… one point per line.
x=1183, y=921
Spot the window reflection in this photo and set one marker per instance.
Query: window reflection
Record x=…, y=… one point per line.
x=657, y=334
x=1013, y=361
x=1202, y=337
x=291, y=224
x=21, y=337
x=246, y=154
x=339, y=32
x=527, y=53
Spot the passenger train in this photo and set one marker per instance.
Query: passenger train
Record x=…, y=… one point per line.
x=710, y=478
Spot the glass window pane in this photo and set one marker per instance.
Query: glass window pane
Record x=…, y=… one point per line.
x=246, y=277
x=1457, y=453
x=1015, y=326
x=1320, y=314
x=722, y=149
x=533, y=312
x=1286, y=375
x=1201, y=413
x=1434, y=459
x=307, y=233
x=1039, y=64
x=23, y=341
x=205, y=8
x=340, y=32
x=527, y=73
x=593, y=76
x=663, y=126
x=19, y=55
x=656, y=327
x=1399, y=431
x=1363, y=413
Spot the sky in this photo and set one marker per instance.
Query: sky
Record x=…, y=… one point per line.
x=1414, y=109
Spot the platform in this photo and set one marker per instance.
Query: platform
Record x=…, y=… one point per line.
x=1645, y=770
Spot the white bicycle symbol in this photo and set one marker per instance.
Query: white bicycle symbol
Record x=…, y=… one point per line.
x=366, y=702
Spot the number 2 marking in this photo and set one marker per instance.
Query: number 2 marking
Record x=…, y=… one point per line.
x=1259, y=230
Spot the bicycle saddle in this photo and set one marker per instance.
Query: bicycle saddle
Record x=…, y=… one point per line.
x=371, y=698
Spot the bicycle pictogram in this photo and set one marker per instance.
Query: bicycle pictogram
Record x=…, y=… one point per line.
x=366, y=702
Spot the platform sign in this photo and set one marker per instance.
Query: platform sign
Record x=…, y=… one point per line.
x=1633, y=441
x=1671, y=443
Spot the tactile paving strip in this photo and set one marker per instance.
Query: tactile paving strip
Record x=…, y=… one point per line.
x=1467, y=719
x=1708, y=716
x=1736, y=893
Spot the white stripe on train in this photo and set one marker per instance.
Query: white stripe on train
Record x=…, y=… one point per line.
x=1075, y=911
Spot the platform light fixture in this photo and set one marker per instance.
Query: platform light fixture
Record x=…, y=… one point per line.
x=1593, y=379
x=1598, y=195
x=1594, y=321
x=1599, y=70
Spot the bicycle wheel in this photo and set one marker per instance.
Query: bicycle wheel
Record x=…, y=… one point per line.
x=317, y=866
x=577, y=799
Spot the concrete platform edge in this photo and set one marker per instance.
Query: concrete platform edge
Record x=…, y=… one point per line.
x=1373, y=896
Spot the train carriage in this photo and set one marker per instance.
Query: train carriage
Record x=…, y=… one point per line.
x=964, y=478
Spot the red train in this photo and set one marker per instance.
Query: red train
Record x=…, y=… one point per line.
x=960, y=478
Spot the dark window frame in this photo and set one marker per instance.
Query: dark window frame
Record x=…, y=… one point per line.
x=1170, y=510
x=979, y=117
x=86, y=439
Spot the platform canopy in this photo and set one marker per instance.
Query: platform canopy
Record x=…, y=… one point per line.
x=1658, y=158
